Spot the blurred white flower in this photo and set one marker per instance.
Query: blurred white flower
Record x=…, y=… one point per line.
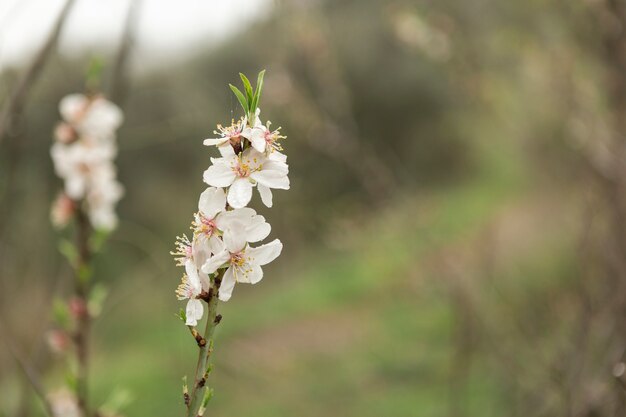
x=83, y=156
x=64, y=404
x=93, y=117
x=241, y=172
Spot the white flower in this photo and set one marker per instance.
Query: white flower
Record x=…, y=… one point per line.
x=212, y=220
x=79, y=163
x=244, y=262
x=242, y=172
x=263, y=139
x=189, y=289
x=94, y=117
x=103, y=194
x=228, y=136
x=64, y=404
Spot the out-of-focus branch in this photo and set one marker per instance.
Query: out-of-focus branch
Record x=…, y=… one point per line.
x=337, y=133
x=12, y=108
x=29, y=372
x=81, y=290
x=119, y=75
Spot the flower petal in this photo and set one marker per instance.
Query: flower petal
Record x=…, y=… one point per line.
x=277, y=156
x=258, y=229
x=192, y=277
x=212, y=201
x=240, y=193
x=228, y=283
x=264, y=254
x=72, y=106
x=254, y=274
x=271, y=178
x=194, y=312
x=266, y=195
x=215, y=141
x=235, y=237
x=219, y=175
x=215, y=262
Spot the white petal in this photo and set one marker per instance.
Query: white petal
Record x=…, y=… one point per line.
x=240, y=193
x=243, y=215
x=266, y=195
x=214, y=142
x=226, y=150
x=278, y=157
x=235, y=237
x=219, y=175
x=216, y=245
x=215, y=262
x=228, y=283
x=271, y=179
x=72, y=106
x=258, y=229
x=205, y=281
x=194, y=312
x=264, y=254
x=200, y=249
x=75, y=186
x=192, y=276
x=212, y=201
x=254, y=274
x=274, y=165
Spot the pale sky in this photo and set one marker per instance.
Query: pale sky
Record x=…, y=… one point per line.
x=167, y=28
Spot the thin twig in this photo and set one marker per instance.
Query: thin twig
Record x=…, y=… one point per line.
x=199, y=384
x=119, y=75
x=81, y=289
x=12, y=109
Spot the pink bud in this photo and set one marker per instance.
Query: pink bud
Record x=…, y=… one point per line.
x=78, y=307
x=62, y=210
x=58, y=341
x=64, y=133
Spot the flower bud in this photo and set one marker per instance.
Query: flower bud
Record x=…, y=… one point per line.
x=58, y=341
x=63, y=209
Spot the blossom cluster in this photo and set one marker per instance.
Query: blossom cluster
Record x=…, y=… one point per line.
x=224, y=227
x=83, y=155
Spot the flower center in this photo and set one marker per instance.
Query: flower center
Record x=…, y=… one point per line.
x=242, y=170
x=237, y=259
x=206, y=226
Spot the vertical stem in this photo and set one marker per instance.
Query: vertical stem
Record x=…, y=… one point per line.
x=81, y=291
x=199, y=385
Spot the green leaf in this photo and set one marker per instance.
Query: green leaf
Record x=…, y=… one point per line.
x=208, y=394
x=247, y=86
x=94, y=73
x=98, y=239
x=181, y=315
x=257, y=93
x=68, y=249
x=96, y=299
x=84, y=273
x=60, y=313
x=240, y=97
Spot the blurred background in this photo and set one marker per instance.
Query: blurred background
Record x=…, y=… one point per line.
x=455, y=234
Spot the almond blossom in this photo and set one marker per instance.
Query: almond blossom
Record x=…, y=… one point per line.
x=83, y=156
x=244, y=171
x=243, y=261
x=190, y=289
x=220, y=254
